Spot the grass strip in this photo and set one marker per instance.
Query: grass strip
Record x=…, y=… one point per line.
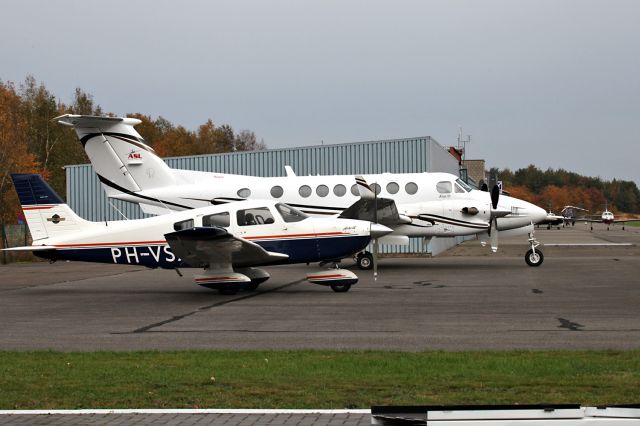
x=313, y=379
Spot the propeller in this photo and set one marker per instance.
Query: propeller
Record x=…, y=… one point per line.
x=493, y=221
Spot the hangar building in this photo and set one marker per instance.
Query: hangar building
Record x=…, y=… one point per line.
x=413, y=155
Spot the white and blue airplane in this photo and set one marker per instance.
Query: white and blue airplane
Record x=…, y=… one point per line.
x=228, y=241
x=425, y=205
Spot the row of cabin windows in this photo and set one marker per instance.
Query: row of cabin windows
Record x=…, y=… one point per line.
x=245, y=217
x=339, y=190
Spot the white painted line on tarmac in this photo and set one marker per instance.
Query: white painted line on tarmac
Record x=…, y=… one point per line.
x=591, y=244
x=184, y=411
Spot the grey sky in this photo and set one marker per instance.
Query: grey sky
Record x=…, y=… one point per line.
x=554, y=83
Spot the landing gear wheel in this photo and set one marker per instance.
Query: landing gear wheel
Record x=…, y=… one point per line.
x=365, y=260
x=340, y=288
x=534, y=258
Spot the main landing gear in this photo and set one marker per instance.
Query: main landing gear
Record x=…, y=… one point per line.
x=533, y=257
x=364, y=260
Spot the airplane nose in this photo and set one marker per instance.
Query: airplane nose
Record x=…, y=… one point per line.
x=537, y=214
x=378, y=230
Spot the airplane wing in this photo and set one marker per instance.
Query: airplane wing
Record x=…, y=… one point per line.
x=626, y=220
x=207, y=246
x=372, y=208
x=380, y=210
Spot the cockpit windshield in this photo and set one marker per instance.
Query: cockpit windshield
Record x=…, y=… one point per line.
x=289, y=214
x=464, y=185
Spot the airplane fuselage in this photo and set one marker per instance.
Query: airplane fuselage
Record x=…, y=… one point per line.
x=142, y=241
x=434, y=202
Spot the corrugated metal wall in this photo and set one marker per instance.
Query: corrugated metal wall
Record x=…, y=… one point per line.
x=423, y=154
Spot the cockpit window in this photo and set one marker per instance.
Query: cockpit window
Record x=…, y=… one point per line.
x=464, y=185
x=458, y=189
x=289, y=214
x=217, y=219
x=255, y=216
x=444, y=187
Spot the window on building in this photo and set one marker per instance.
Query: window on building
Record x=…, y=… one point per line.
x=339, y=190
x=217, y=219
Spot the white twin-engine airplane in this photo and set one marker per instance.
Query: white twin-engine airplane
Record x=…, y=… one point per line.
x=413, y=204
x=228, y=240
x=608, y=219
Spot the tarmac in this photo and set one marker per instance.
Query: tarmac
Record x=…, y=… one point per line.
x=584, y=296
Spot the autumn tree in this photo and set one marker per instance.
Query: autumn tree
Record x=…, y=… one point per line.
x=14, y=151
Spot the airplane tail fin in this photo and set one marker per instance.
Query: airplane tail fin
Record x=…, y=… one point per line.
x=46, y=213
x=121, y=158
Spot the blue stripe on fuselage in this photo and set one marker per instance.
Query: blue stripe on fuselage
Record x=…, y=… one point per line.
x=160, y=256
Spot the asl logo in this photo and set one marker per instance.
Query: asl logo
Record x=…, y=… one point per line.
x=134, y=155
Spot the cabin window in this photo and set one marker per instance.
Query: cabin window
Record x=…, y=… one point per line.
x=217, y=219
x=254, y=216
x=289, y=214
x=354, y=190
x=393, y=188
x=304, y=191
x=322, y=190
x=443, y=187
x=339, y=190
x=376, y=188
x=244, y=193
x=277, y=191
x=184, y=224
x=411, y=188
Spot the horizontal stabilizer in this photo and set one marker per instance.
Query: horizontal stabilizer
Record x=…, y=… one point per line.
x=30, y=248
x=72, y=120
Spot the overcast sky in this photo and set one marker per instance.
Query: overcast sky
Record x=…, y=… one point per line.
x=548, y=82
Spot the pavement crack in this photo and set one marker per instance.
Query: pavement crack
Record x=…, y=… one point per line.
x=175, y=318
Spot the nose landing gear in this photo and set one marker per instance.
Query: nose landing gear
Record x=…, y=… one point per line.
x=533, y=257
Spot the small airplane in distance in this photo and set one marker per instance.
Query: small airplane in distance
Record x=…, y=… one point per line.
x=569, y=213
x=228, y=241
x=414, y=205
x=608, y=219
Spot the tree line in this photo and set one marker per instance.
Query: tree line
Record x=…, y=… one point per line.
x=554, y=189
x=31, y=143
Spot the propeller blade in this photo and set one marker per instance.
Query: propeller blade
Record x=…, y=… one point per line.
x=495, y=196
